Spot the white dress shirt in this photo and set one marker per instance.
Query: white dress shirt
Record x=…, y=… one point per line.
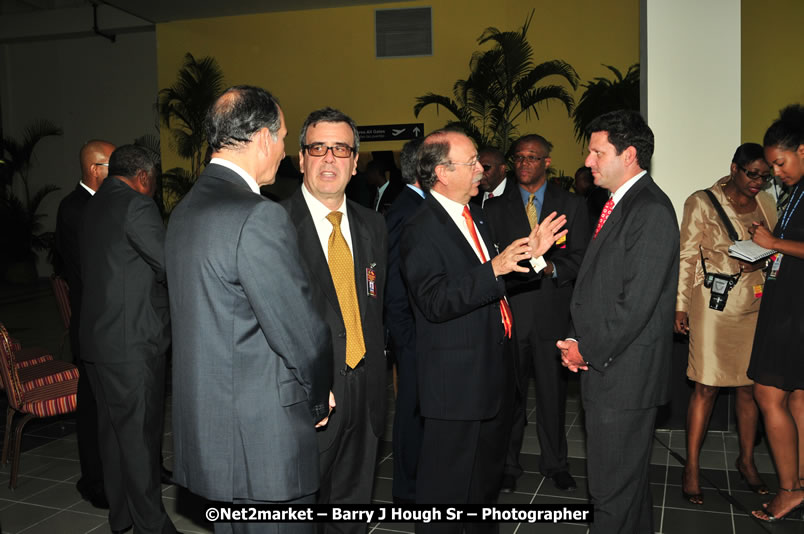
x=252, y=183
x=323, y=227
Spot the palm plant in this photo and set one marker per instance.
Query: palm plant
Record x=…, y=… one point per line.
x=602, y=95
x=183, y=106
x=22, y=235
x=503, y=84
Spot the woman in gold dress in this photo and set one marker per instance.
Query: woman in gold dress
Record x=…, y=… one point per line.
x=720, y=340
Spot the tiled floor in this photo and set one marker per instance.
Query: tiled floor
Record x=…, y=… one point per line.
x=46, y=500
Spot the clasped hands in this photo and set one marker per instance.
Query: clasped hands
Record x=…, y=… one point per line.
x=541, y=238
x=570, y=355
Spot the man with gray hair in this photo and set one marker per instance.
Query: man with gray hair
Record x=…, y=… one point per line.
x=344, y=251
x=464, y=330
x=251, y=356
x=407, y=435
x=124, y=333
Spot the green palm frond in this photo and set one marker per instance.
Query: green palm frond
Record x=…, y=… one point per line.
x=602, y=95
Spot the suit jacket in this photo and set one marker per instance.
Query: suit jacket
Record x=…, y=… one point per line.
x=251, y=371
x=624, y=301
x=459, y=332
x=539, y=302
x=398, y=315
x=369, y=250
x=124, y=310
x=68, y=257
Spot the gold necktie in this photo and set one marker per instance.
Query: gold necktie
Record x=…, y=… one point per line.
x=342, y=269
x=530, y=210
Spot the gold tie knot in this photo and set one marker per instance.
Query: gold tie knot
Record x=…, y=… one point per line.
x=335, y=217
x=531, y=197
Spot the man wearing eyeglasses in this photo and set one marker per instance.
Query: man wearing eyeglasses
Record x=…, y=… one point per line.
x=344, y=252
x=94, y=160
x=464, y=329
x=540, y=304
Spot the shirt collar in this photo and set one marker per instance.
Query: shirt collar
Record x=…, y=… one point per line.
x=317, y=208
x=620, y=193
x=85, y=186
x=252, y=183
x=497, y=191
x=417, y=189
x=539, y=195
x=454, y=209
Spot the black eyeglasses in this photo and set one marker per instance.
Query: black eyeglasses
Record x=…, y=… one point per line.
x=529, y=159
x=486, y=168
x=754, y=175
x=319, y=150
x=101, y=164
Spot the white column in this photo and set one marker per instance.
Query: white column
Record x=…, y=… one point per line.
x=690, y=59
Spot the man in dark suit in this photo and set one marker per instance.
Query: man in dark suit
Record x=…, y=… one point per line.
x=494, y=182
x=344, y=251
x=407, y=434
x=540, y=303
x=125, y=331
x=94, y=160
x=251, y=369
x=622, y=314
x=463, y=329
x=594, y=196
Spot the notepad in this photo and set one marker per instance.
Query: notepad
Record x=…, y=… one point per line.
x=749, y=251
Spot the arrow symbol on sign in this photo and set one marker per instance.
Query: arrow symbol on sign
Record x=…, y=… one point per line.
x=416, y=131
x=396, y=132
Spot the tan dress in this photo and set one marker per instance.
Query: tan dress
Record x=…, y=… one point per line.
x=720, y=341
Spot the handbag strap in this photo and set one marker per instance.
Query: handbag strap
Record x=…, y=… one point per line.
x=726, y=222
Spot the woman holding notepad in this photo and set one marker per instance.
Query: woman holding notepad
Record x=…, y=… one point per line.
x=717, y=305
x=777, y=358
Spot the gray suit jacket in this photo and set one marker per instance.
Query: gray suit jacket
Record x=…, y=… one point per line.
x=624, y=301
x=251, y=372
x=124, y=306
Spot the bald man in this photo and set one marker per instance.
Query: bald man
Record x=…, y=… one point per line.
x=94, y=161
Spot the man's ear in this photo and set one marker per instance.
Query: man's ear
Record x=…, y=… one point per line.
x=547, y=161
x=441, y=173
x=630, y=155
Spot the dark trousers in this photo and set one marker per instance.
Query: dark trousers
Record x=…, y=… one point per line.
x=408, y=428
x=540, y=357
x=461, y=462
x=86, y=430
x=267, y=528
x=347, y=466
x=618, y=444
x=130, y=398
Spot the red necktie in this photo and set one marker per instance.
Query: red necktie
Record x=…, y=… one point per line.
x=607, y=207
x=491, y=195
x=505, y=311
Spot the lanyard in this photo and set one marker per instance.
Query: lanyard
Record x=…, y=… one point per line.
x=788, y=212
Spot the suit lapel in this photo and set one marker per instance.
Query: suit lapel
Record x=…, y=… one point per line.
x=451, y=232
x=310, y=247
x=361, y=254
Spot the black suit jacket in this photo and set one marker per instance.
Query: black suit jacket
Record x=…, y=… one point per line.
x=370, y=250
x=68, y=255
x=459, y=331
x=398, y=315
x=624, y=301
x=539, y=302
x=124, y=307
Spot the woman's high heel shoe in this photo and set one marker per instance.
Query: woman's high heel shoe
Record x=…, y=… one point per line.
x=692, y=498
x=766, y=516
x=759, y=489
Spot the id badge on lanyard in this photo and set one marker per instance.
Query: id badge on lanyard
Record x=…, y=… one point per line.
x=777, y=262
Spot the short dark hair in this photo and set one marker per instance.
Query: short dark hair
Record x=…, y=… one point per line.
x=786, y=132
x=128, y=160
x=626, y=127
x=533, y=138
x=494, y=152
x=748, y=152
x=328, y=115
x=240, y=112
x=433, y=152
x=408, y=160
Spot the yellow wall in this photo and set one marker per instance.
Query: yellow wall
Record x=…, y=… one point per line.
x=325, y=57
x=772, y=73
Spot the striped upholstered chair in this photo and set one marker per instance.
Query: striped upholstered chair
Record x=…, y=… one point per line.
x=42, y=390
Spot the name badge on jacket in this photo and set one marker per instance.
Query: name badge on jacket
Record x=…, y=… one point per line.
x=371, y=281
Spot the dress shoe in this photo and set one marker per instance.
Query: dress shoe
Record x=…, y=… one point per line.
x=564, y=481
x=93, y=493
x=508, y=484
x=165, y=476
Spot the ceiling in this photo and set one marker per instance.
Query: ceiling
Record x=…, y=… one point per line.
x=154, y=11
